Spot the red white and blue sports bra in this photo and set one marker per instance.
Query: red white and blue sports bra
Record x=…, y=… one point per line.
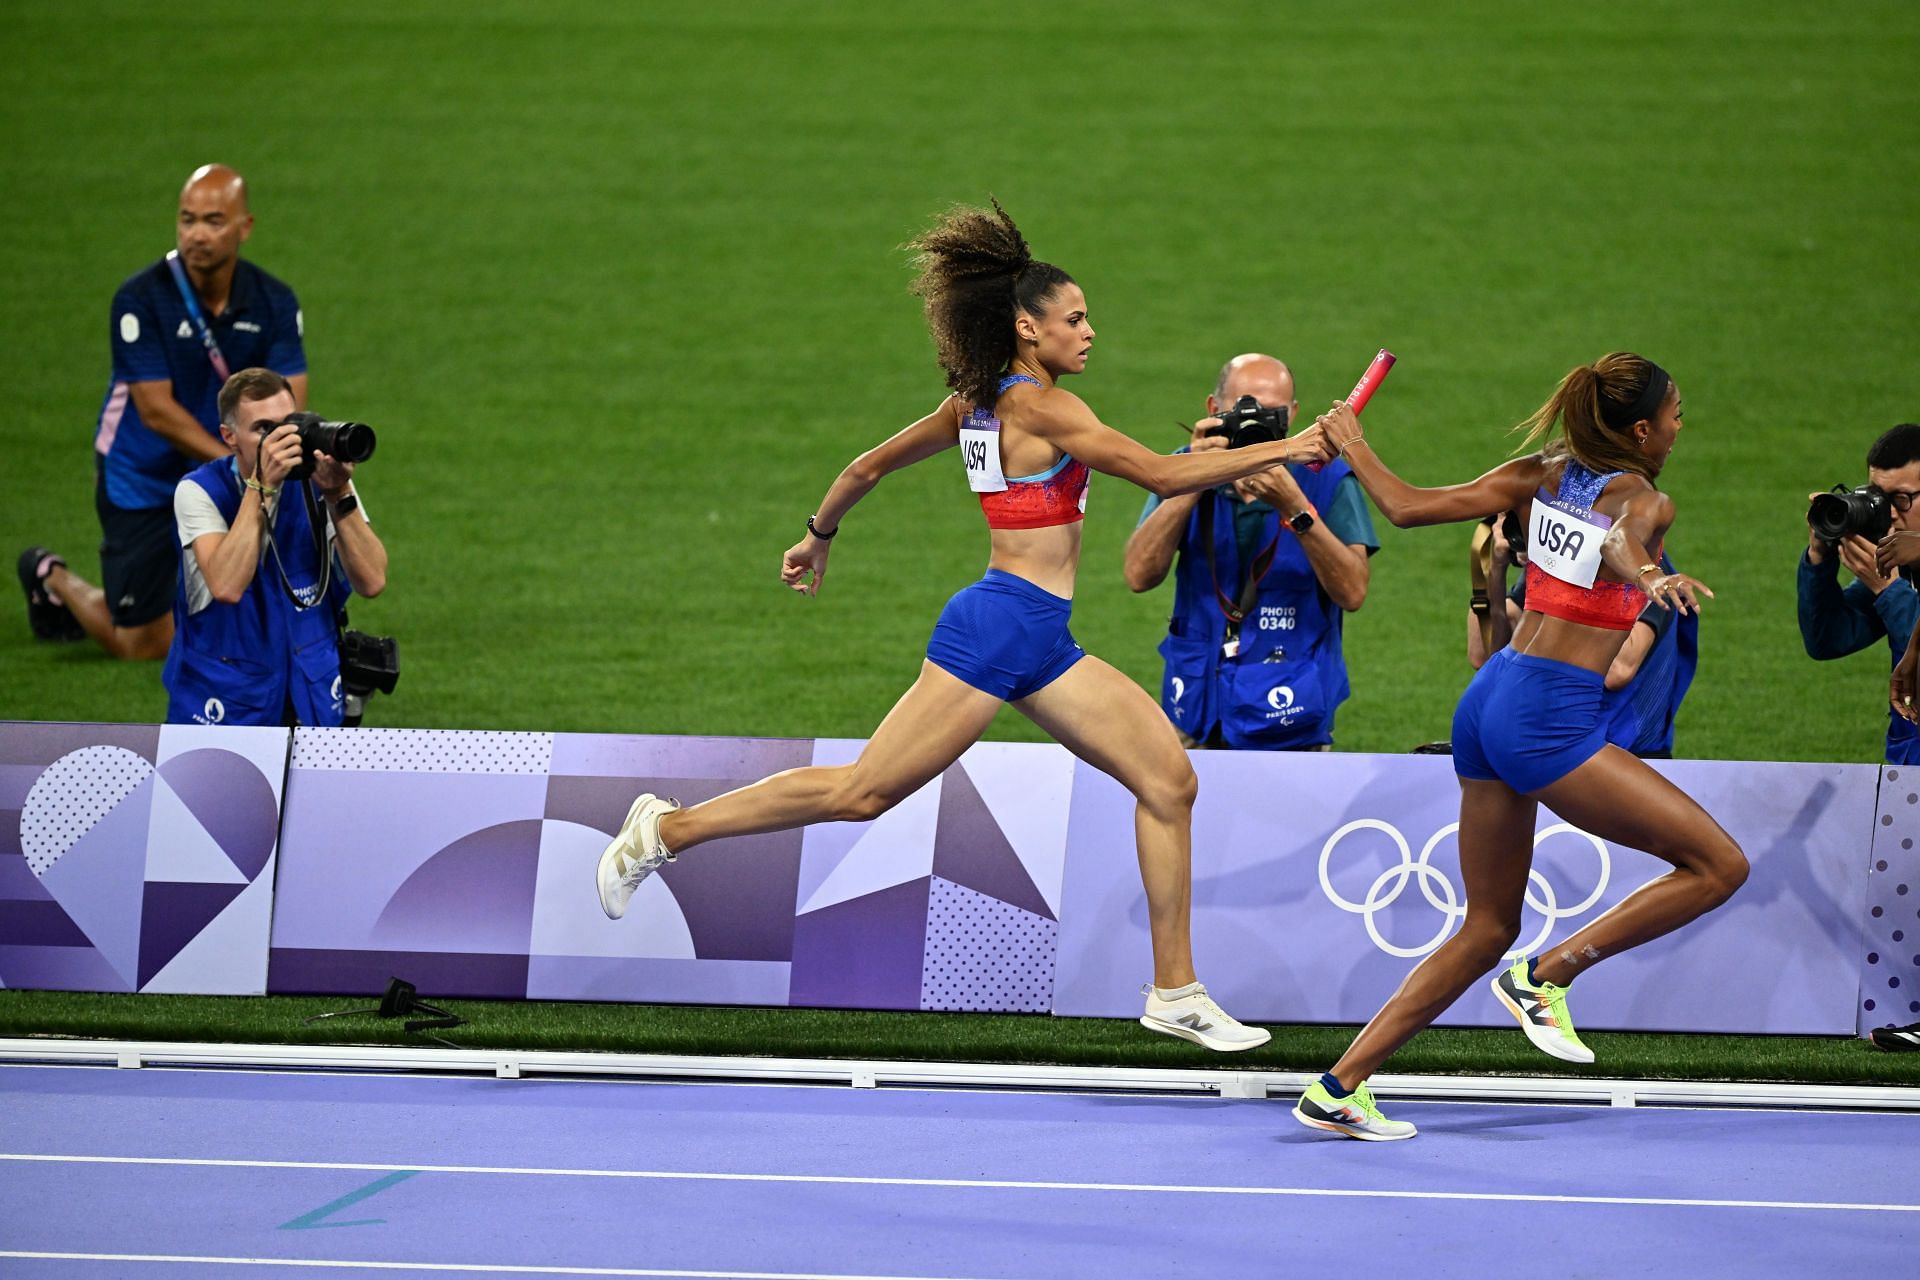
x=1563, y=556
x=1052, y=497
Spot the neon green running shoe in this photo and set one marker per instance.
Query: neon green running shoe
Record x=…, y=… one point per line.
x=1356, y=1115
x=1541, y=1008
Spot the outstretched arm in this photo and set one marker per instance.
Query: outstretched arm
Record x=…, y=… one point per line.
x=1064, y=421
x=806, y=562
x=1407, y=506
x=1642, y=524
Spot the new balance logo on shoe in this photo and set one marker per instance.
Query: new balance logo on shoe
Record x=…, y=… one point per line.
x=1194, y=1022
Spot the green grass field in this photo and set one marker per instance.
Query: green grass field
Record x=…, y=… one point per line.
x=619, y=285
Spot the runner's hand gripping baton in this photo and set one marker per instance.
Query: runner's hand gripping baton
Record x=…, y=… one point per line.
x=1363, y=390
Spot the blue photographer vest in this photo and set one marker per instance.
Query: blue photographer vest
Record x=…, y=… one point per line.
x=1639, y=717
x=245, y=663
x=1281, y=688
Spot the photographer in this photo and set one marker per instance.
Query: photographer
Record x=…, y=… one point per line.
x=258, y=610
x=1872, y=531
x=1267, y=569
x=178, y=326
x=1648, y=677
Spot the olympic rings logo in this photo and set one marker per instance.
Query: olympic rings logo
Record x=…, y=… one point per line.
x=1439, y=891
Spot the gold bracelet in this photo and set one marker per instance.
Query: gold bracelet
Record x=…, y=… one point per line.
x=259, y=488
x=1644, y=570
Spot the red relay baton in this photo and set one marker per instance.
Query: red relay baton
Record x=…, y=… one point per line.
x=1370, y=380
x=1363, y=390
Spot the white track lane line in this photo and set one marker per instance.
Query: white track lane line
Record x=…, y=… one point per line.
x=469, y=1268
x=993, y=1184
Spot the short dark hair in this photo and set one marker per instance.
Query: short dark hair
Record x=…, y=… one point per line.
x=250, y=384
x=1896, y=448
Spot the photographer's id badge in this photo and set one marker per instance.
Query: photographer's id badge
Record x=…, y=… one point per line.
x=980, y=451
x=1565, y=540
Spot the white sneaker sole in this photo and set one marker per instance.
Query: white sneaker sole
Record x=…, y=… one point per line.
x=608, y=873
x=1346, y=1131
x=1543, y=1040
x=1201, y=1038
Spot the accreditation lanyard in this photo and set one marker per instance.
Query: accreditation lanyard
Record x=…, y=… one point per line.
x=218, y=361
x=1235, y=610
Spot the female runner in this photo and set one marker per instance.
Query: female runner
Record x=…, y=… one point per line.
x=1528, y=730
x=1007, y=328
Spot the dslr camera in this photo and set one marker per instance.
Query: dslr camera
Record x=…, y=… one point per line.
x=368, y=665
x=347, y=441
x=1841, y=513
x=1250, y=422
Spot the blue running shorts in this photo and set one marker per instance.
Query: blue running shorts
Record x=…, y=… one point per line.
x=1528, y=721
x=1004, y=636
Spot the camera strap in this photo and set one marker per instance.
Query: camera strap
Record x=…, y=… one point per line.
x=1480, y=566
x=317, y=520
x=1235, y=608
x=214, y=357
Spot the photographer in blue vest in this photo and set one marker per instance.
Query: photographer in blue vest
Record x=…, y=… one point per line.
x=273, y=541
x=1265, y=571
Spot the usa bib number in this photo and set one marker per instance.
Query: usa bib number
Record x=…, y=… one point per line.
x=980, y=451
x=1565, y=540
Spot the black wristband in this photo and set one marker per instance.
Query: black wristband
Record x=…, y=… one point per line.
x=345, y=506
x=818, y=533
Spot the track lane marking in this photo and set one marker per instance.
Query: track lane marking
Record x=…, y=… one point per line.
x=467, y=1267
x=990, y=1184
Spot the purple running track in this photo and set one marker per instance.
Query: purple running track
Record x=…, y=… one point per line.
x=351, y=1175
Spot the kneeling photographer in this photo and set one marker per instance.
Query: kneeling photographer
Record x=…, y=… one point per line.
x=273, y=542
x=1874, y=531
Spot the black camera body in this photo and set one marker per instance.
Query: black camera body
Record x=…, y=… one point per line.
x=368, y=665
x=1250, y=422
x=1841, y=513
x=347, y=441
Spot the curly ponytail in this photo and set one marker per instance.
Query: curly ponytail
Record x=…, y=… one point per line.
x=975, y=271
x=1596, y=406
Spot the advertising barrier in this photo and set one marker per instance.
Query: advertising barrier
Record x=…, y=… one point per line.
x=138, y=858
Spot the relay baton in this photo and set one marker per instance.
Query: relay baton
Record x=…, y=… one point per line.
x=1370, y=380
x=1363, y=390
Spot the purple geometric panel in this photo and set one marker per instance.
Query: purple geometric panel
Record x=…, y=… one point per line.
x=651, y=981
x=172, y=915
x=737, y=895
x=301, y=971
x=232, y=799
x=474, y=895
x=58, y=969
x=862, y=954
x=98, y=881
x=984, y=955
x=26, y=742
x=969, y=849
x=17, y=881
x=1890, y=965
x=39, y=924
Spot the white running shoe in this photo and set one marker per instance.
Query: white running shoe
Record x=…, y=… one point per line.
x=1190, y=1013
x=634, y=854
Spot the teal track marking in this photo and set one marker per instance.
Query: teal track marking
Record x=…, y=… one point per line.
x=317, y=1217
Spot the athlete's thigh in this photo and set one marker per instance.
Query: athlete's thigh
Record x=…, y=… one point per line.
x=934, y=721
x=1496, y=846
x=1617, y=796
x=1102, y=716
